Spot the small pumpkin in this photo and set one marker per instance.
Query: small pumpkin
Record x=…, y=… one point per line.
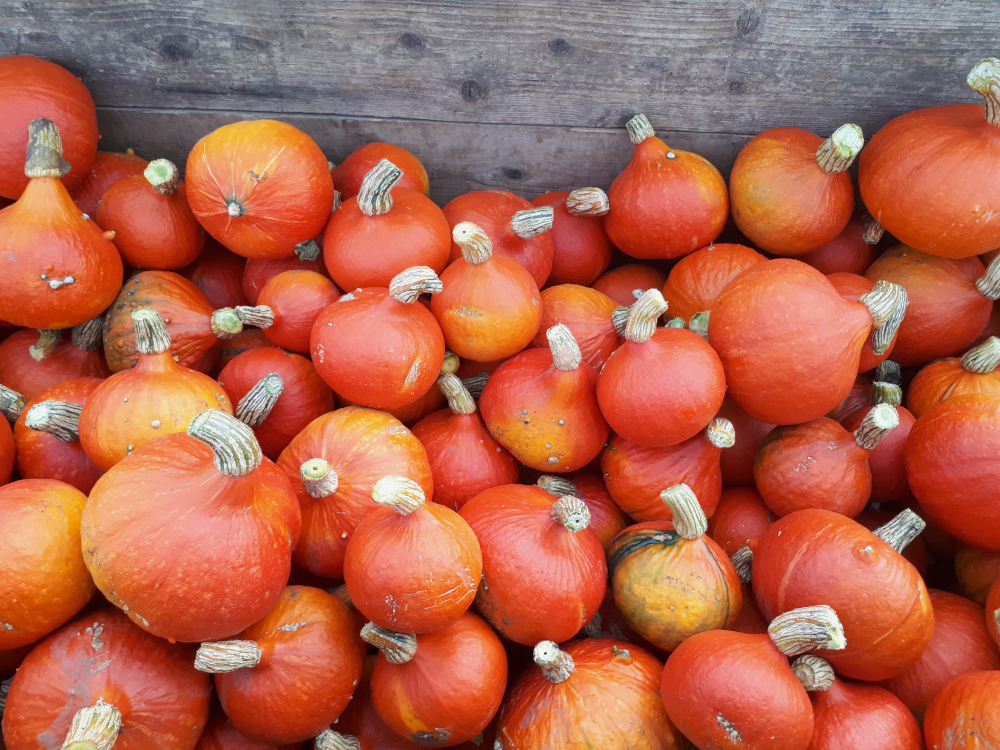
x=260, y=187
x=736, y=464
x=490, y=308
x=964, y=711
x=107, y=169
x=948, y=378
x=59, y=268
x=977, y=570
x=350, y=173
x=288, y=676
x=606, y=518
x=671, y=581
x=151, y=219
x=696, y=280
x=175, y=507
x=581, y=250
x=852, y=288
x=589, y=315
x=666, y=203
x=436, y=561
x=297, y=299
x=31, y=361
x=442, y=688
x=544, y=573
x=620, y=283
x=851, y=251
x=740, y=516
x=384, y=230
x=257, y=272
x=218, y=272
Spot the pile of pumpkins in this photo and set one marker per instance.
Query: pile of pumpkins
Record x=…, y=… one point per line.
x=389, y=475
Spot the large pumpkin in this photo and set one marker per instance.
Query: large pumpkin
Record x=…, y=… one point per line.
x=695, y=282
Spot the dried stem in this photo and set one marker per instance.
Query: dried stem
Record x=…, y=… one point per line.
x=460, y=401
x=743, y=562
x=401, y=494
x=256, y=405
x=236, y=451
x=99, y=724
x=639, y=129
x=814, y=674
x=807, y=629
x=985, y=78
x=374, y=197
x=886, y=393
x=901, y=530
x=406, y=286
x=566, y=354
x=643, y=316
x=226, y=656
x=887, y=304
x=163, y=176
x=476, y=246
x=532, y=222
x=88, y=337
x=590, y=201
x=689, y=518
x=60, y=419
x=558, y=486
x=838, y=152
x=398, y=648
x=888, y=372
x=878, y=423
x=11, y=403
x=46, y=344
x=872, y=230
x=721, y=433
x=983, y=359
x=330, y=740
x=571, y=512
x=44, y=158
x=557, y=665
x=318, y=479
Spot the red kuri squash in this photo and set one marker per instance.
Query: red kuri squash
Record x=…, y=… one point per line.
x=107, y=169
x=621, y=283
x=965, y=712
x=948, y=378
x=588, y=314
x=696, y=280
x=297, y=298
x=218, y=272
x=31, y=361
x=350, y=173
x=581, y=250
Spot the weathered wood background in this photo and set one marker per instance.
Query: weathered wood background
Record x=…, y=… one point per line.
x=528, y=95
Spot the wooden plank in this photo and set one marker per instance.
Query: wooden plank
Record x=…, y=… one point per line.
x=727, y=66
x=525, y=159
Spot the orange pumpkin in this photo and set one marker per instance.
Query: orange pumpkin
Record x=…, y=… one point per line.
x=31, y=361
x=606, y=518
x=697, y=279
x=350, y=173
x=620, y=283
x=949, y=378
x=218, y=272
x=589, y=315
x=851, y=251
x=107, y=169
x=581, y=250
x=852, y=288
x=297, y=298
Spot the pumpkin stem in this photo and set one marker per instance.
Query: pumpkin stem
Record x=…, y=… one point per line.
x=45, y=150
x=338, y=199
x=151, y=336
x=878, y=423
x=226, y=656
x=589, y=201
x=619, y=319
x=996, y=617
x=643, y=316
x=721, y=433
x=162, y=174
x=476, y=246
x=236, y=450
x=901, y=530
x=838, y=152
x=689, y=518
x=308, y=250
x=639, y=129
x=676, y=323
x=88, y=337
x=532, y=222
x=374, y=198
x=82, y=745
x=872, y=231
x=397, y=648
x=225, y=323
x=256, y=405
x=60, y=419
x=989, y=283
x=556, y=664
x=699, y=323
x=807, y=629
x=594, y=627
x=983, y=359
x=46, y=344
x=401, y=494
x=743, y=562
x=406, y=286
x=451, y=362
x=889, y=394
x=888, y=372
x=330, y=740
x=318, y=479
x=558, y=486
x=985, y=78
x=566, y=354
x=260, y=316
x=343, y=595
x=571, y=512
x=11, y=403
x=887, y=304
x=460, y=401
x=475, y=384
x=814, y=674
x=98, y=724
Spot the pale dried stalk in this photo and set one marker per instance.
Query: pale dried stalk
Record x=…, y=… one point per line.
x=689, y=518
x=557, y=665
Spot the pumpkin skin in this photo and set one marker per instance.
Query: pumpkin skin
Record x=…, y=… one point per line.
x=297, y=299
x=60, y=268
x=152, y=229
x=946, y=310
x=633, y=472
x=451, y=688
x=619, y=283
x=361, y=446
x=246, y=340
x=492, y=210
x=279, y=188
x=848, y=252
x=28, y=376
x=697, y=279
x=887, y=460
x=464, y=458
x=740, y=516
x=960, y=644
x=659, y=601
x=43, y=456
x=581, y=250
x=44, y=580
x=610, y=701
x=851, y=287
x=258, y=271
x=542, y=581
x=31, y=87
x=787, y=369
x=965, y=712
x=350, y=173
x=781, y=198
x=308, y=647
x=305, y=396
x=7, y=448
x=107, y=169
x=977, y=570
x=544, y=410
x=886, y=630
x=220, y=734
x=666, y=203
x=944, y=379
x=219, y=274
x=163, y=700
x=586, y=313
x=992, y=618
x=736, y=463
x=191, y=519
x=951, y=465
x=706, y=689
